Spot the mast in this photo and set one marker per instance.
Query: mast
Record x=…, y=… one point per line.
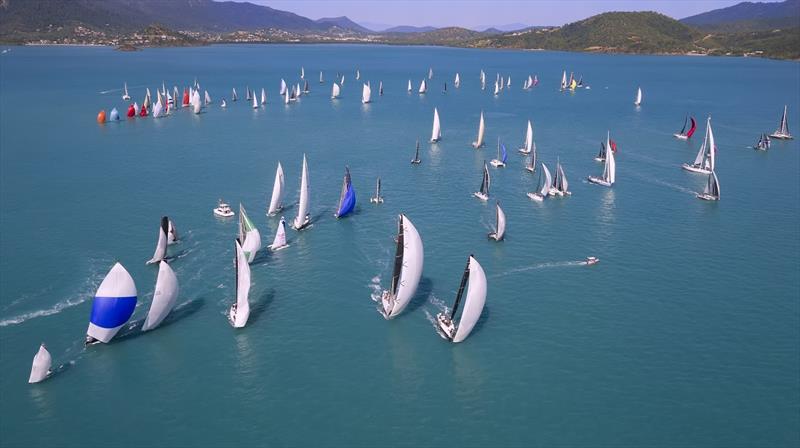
x=685, y=121
x=460, y=293
x=398, y=257
x=416, y=154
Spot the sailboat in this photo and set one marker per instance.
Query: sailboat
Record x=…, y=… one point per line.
x=380, y=88
x=172, y=234
x=638, y=100
x=247, y=95
x=358, y=74
x=255, y=102
x=474, y=279
x=410, y=89
x=483, y=193
x=40, y=368
x=347, y=198
x=457, y=81
x=283, y=87
x=164, y=297
x=500, y=161
x=234, y=96
x=436, y=131
x=684, y=134
x=564, y=81
x=161, y=245
x=114, y=115
x=249, y=236
x=280, y=237
x=147, y=99
x=207, y=98
x=508, y=81
x=423, y=86
x=125, y=96
x=335, y=91
x=263, y=96
x=527, y=145
x=112, y=306
x=240, y=310
x=430, y=73
x=496, y=88
x=531, y=166
x=306, y=89
x=445, y=88
x=483, y=80
x=416, y=160
x=763, y=143
x=706, y=156
x=197, y=106
x=481, y=130
x=186, y=99
x=366, y=94
x=321, y=81
x=377, y=199
x=560, y=185
x=609, y=167
x=545, y=181
x=302, y=73
x=782, y=133
x=711, y=192
x=223, y=103
x=303, y=219
x=500, y=226
x=409, y=258
x=276, y=203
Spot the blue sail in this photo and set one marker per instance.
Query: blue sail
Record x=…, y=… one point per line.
x=347, y=202
x=505, y=155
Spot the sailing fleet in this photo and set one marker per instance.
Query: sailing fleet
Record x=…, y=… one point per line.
x=116, y=297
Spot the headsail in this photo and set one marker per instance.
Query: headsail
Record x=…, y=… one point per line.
x=161, y=245
x=303, y=219
x=280, y=236
x=407, y=271
x=276, y=203
x=249, y=236
x=40, y=368
x=164, y=297
x=436, y=132
x=481, y=131
x=366, y=94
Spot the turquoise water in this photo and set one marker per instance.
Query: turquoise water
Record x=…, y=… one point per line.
x=686, y=333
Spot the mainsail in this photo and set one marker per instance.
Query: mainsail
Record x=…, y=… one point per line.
x=161, y=245
x=481, y=130
x=408, y=261
x=164, y=297
x=240, y=310
x=302, y=218
x=436, y=132
x=276, y=203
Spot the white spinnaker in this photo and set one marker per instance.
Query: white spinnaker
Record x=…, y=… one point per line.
x=436, y=132
x=280, y=236
x=366, y=94
x=263, y=96
x=116, y=284
x=302, y=209
x=164, y=297
x=41, y=365
x=501, y=223
x=638, y=96
x=276, y=203
x=161, y=246
x=548, y=181
x=335, y=91
x=208, y=98
x=473, y=304
x=242, y=288
x=411, y=272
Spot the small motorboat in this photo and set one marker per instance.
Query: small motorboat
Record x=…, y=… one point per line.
x=223, y=210
x=591, y=260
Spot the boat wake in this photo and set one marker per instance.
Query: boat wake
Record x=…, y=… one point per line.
x=554, y=264
x=375, y=286
x=86, y=294
x=671, y=186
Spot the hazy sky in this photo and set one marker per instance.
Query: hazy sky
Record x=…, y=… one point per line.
x=471, y=13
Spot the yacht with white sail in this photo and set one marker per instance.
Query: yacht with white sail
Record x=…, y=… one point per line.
x=609, y=167
x=41, y=366
x=240, y=309
x=303, y=218
x=545, y=182
x=276, y=202
x=500, y=224
x=436, y=131
x=456, y=329
x=704, y=162
x=335, y=91
x=249, y=236
x=560, y=184
x=377, y=199
x=161, y=245
x=416, y=160
x=481, y=131
x=164, y=297
x=366, y=94
x=711, y=192
x=407, y=271
x=638, y=100
x=347, y=198
x=527, y=145
x=782, y=133
x=483, y=193
x=280, y=237
x=423, y=87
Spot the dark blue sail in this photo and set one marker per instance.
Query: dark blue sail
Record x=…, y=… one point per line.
x=347, y=201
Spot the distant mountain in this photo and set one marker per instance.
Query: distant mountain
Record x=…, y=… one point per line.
x=28, y=16
x=375, y=26
x=409, y=29
x=504, y=28
x=344, y=23
x=623, y=32
x=492, y=31
x=749, y=16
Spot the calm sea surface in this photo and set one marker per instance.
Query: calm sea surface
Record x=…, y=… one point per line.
x=687, y=333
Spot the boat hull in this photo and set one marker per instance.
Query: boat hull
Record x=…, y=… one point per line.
x=599, y=181
x=695, y=169
x=476, y=145
x=536, y=197
x=445, y=327
x=497, y=163
x=481, y=196
x=680, y=136
x=707, y=197
x=493, y=236
x=377, y=200
x=530, y=169
x=302, y=226
x=416, y=162
x=781, y=136
x=523, y=151
x=222, y=214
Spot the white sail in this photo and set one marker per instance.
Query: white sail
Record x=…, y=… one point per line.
x=782, y=132
x=409, y=259
x=500, y=229
x=712, y=147
x=496, y=88
x=527, y=146
x=276, y=203
x=172, y=233
x=423, y=86
x=161, y=246
x=638, y=97
x=320, y=77
x=409, y=86
x=475, y=301
x=358, y=74
x=366, y=94
x=240, y=312
x=283, y=87
x=263, y=96
x=302, y=73
x=255, y=102
x=302, y=210
x=564, y=187
x=158, y=109
x=196, y=105
x=125, y=95
x=430, y=73
x=164, y=297
x=457, y=81
x=286, y=98
x=610, y=168
x=564, y=80
x=40, y=368
x=701, y=153
x=249, y=236
x=544, y=189
x=436, y=132
x=481, y=131
x=207, y=98
x=280, y=236
x=335, y=91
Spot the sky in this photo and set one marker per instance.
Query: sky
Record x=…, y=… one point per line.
x=481, y=13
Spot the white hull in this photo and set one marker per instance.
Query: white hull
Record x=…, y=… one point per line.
x=536, y=197
x=599, y=181
x=680, y=136
x=481, y=196
x=695, y=169
x=476, y=145
x=277, y=248
x=530, y=169
x=707, y=197
x=445, y=327
x=599, y=159
x=306, y=224
x=493, y=236
x=524, y=151
x=376, y=200
x=497, y=163
x=416, y=162
x=276, y=212
x=781, y=136
x=223, y=214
